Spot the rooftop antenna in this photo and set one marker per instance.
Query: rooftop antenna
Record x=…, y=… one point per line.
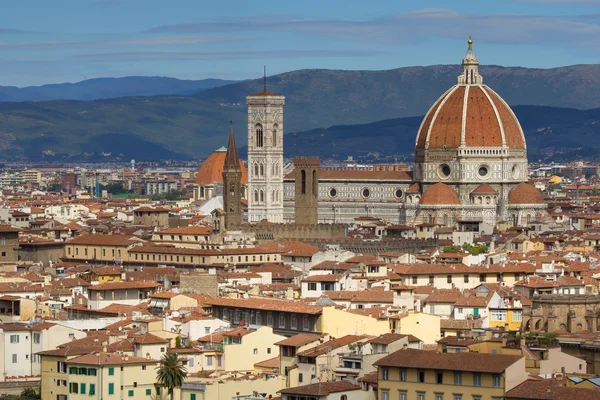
x=265, y=78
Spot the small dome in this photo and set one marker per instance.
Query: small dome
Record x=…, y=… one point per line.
x=484, y=188
x=440, y=193
x=211, y=170
x=524, y=193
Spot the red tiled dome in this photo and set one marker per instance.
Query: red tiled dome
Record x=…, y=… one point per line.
x=524, y=193
x=211, y=170
x=440, y=193
x=487, y=121
x=470, y=114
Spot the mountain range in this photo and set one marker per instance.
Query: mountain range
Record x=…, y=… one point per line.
x=107, y=88
x=193, y=126
x=552, y=133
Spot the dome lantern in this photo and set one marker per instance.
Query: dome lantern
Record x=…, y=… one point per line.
x=470, y=63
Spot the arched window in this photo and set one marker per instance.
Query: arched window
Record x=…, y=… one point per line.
x=262, y=169
x=273, y=169
x=262, y=196
x=303, y=181
x=259, y=135
x=445, y=219
x=256, y=196
x=256, y=169
x=343, y=397
x=315, y=183
x=243, y=192
x=275, y=127
x=273, y=195
x=201, y=192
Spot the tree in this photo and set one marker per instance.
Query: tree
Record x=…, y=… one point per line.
x=171, y=372
x=169, y=196
x=30, y=394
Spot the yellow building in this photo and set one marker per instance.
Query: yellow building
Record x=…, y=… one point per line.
x=109, y=273
x=110, y=376
x=338, y=323
x=418, y=374
x=509, y=318
x=99, y=248
x=424, y=326
x=243, y=347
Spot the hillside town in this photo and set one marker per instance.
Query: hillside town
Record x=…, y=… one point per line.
x=467, y=275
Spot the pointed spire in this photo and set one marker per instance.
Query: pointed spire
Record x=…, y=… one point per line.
x=470, y=57
x=231, y=158
x=470, y=64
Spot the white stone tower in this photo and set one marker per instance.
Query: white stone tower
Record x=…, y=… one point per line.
x=265, y=156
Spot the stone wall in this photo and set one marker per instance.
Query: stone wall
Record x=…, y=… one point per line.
x=9, y=242
x=570, y=313
x=269, y=232
x=199, y=283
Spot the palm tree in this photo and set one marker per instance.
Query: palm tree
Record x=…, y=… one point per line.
x=171, y=372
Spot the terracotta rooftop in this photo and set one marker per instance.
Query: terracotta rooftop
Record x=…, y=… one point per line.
x=109, y=359
x=323, y=278
x=321, y=389
x=298, y=340
x=272, y=363
x=386, y=338
x=103, y=240
x=186, y=230
x=464, y=361
x=125, y=285
x=332, y=345
x=549, y=389
x=266, y=304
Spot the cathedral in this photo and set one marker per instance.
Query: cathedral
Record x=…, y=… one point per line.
x=470, y=168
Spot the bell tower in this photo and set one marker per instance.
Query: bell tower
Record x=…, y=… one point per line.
x=232, y=185
x=306, y=210
x=265, y=156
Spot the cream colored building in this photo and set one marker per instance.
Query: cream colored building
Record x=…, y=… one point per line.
x=32, y=175
x=109, y=376
x=339, y=323
x=243, y=347
x=100, y=248
x=419, y=374
x=424, y=326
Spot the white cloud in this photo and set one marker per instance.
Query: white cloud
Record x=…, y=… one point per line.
x=412, y=26
x=219, y=55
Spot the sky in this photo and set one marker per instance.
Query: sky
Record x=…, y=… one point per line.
x=57, y=41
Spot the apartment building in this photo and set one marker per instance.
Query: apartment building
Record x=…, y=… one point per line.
x=417, y=374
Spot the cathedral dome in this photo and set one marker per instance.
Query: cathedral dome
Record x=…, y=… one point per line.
x=470, y=114
x=211, y=170
x=440, y=193
x=524, y=193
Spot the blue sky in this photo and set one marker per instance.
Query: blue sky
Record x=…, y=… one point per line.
x=69, y=40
